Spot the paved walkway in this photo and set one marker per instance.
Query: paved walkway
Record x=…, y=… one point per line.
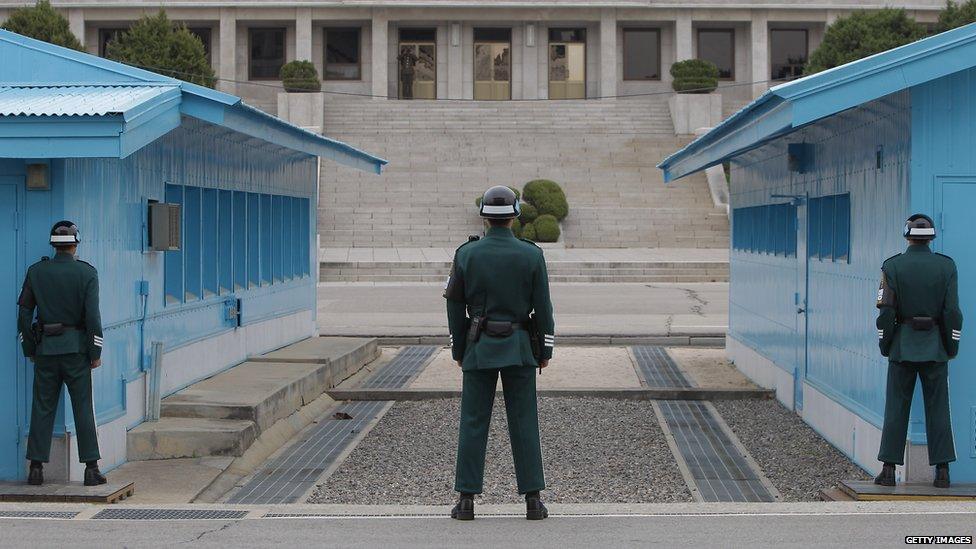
x=554, y=253
x=617, y=309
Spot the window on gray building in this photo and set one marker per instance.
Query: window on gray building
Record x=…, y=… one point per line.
x=342, y=54
x=104, y=37
x=267, y=53
x=642, y=54
x=788, y=53
x=203, y=33
x=718, y=46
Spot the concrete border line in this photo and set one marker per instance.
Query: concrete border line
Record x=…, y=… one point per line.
x=88, y=512
x=673, y=446
x=753, y=464
x=709, y=340
x=341, y=458
x=635, y=366
x=620, y=393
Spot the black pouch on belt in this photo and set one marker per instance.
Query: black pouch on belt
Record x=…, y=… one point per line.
x=499, y=328
x=53, y=329
x=922, y=323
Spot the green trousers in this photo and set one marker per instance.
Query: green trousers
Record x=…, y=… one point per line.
x=898, y=403
x=50, y=373
x=477, y=399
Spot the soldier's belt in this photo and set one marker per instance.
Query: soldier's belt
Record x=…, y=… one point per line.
x=921, y=323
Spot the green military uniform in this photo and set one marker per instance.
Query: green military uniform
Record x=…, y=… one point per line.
x=499, y=278
x=64, y=291
x=919, y=328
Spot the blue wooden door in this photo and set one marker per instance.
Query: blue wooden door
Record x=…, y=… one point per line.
x=11, y=367
x=958, y=225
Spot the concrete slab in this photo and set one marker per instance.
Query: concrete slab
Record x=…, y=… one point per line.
x=71, y=492
x=571, y=367
x=866, y=490
x=708, y=368
x=262, y=392
x=320, y=350
x=169, y=480
x=177, y=437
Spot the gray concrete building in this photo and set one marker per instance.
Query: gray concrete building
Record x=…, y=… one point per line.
x=495, y=49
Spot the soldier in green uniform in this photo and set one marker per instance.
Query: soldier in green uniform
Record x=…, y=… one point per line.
x=65, y=345
x=919, y=328
x=496, y=283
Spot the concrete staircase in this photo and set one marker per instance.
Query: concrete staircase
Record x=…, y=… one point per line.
x=444, y=154
x=225, y=414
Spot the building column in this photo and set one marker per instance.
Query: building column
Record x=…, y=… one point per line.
x=380, y=45
x=455, y=61
x=760, y=53
x=303, y=34
x=76, y=22
x=608, y=53
x=683, y=49
x=227, y=71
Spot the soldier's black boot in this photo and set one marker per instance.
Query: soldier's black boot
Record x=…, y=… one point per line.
x=887, y=475
x=941, y=476
x=36, y=475
x=93, y=477
x=534, y=508
x=464, y=510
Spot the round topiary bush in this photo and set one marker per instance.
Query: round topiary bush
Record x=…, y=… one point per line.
x=546, y=229
x=300, y=77
x=528, y=232
x=529, y=213
x=518, y=194
x=694, y=76
x=547, y=197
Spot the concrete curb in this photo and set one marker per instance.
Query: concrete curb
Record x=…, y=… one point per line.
x=674, y=340
x=635, y=393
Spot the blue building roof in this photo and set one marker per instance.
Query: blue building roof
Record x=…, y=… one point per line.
x=117, y=109
x=790, y=106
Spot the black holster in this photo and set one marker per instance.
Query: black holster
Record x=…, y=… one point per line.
x=476, y=327
x=535, y=341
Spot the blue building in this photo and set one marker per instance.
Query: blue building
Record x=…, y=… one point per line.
x=824, y=172
x=94, y=141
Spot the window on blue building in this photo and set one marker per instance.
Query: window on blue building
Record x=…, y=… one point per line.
x=305, y=240
x=830, y=227
x=225, y=259
x=192, y=243
x=240, y=240
x=253, y=239
x=291, y=236
x=277, y=238
x=173, y=268
x=267, y=233
x=768, y=229
x=211, y=250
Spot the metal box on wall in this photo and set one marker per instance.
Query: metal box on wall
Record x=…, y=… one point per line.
x=164, y=226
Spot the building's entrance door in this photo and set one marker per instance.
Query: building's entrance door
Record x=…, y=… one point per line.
x=800, y=299
x=493, y=64
x=12, y=374
x=956, y=225
x=567, y=63
x=417, y=64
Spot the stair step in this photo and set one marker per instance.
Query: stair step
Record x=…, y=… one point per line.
x=175, y=437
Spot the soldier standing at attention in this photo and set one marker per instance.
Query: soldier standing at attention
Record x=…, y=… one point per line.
x=919, y=327
x=65, y=345
x=496, y=283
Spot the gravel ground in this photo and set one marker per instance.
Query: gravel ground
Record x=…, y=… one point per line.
x=794, y=457
x=594, y=451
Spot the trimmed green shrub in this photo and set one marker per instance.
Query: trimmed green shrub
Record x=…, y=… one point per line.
x=956, y=15
x=300, y=77
x=547, y=197
x=517, y=228
x=518, y=194
x=529, y=213
x=546, y=228
x=43, y=23
x=528, y=232
x=694, y=76
x=157, y=44
x=863, y=33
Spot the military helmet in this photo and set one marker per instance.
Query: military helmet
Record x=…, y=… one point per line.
x=64, y=234
x=919, y=227
x=500, y=202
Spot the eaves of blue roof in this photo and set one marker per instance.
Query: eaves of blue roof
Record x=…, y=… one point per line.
x=32, y=66
x=787, y=107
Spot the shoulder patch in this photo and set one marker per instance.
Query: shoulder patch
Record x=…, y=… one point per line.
x=530, y=242
x=87, y=263
x=471, y=238
x=945, y=256
x=890, y=258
